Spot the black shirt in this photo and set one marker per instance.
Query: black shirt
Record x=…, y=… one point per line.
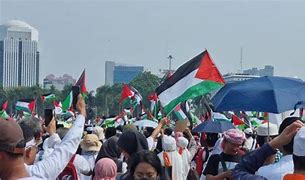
x=214, y=166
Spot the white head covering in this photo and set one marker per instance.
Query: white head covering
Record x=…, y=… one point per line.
x=262, y=130
x=182, y=142
x=298, y=143
x=168, y=143
x=99, y=132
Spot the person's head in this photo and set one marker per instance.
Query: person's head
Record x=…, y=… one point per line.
x=211, y=139
x=99, y=132
x=232, y=141
x=36, y=127
x=110, y=149
x=182, y=142
x=105, y=169
x=299, y=151
x=168, y=131
x=148, y=131
x=288, y=148
x=131, y=142
x=31, y=146
x=168, y=143
x=145, y=165
x=109, y=132
x=248, y=132
x=12, y=146
x=90, y=143
x=262, y=133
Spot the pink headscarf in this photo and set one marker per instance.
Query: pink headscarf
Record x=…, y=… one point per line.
x=234, y=136
x=105, y=169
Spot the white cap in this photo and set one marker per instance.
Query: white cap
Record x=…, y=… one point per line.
x=248, y=131
x=262, y=130
x=298, y=143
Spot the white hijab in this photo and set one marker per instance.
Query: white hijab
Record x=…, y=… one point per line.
x=169, y=147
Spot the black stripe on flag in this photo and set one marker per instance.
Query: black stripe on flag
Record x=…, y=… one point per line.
x=181, y=72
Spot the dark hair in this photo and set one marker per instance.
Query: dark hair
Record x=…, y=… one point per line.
x=109, y=132
x=286, y=122
x=168, y=131
x=34, y=124
x=147, y=157
x=299, y=163
x=27, y=130
x=211, y=139
x=148, y=131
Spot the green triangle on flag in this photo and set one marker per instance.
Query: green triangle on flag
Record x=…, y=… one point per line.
x=67, y=103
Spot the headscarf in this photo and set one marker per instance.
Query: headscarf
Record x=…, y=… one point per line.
x=132, y=142
x=99, y=132
x=182, y=143
x=234, y=136
x=168, y=143
x=105, y=169
x=109, y=149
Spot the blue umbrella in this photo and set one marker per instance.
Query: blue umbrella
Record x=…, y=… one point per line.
x=264, y=94
x=213, y=126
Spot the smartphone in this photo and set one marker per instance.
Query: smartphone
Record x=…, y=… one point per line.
x=75, y=92
x=48, y=116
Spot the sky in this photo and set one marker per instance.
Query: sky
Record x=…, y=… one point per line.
x=77, y=34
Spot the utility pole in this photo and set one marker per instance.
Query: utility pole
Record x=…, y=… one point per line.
x=170, y=57
x=241, y=60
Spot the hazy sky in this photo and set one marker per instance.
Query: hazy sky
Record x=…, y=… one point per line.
x=84, y=34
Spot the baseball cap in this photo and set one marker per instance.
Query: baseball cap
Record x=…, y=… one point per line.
x=11, y=137
x=298, y=143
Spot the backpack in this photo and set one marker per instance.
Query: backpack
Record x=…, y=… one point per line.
x=69, y=173
x=199, y=161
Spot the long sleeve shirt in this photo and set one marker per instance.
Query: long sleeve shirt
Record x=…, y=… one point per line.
x=52, y=166
x=251, y=163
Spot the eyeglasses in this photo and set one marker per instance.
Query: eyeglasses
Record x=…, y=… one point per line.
x=145, y=177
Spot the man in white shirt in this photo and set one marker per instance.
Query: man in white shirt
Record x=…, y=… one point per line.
x=285, y=164
x=52, y=166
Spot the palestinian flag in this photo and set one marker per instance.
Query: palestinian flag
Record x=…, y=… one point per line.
x=194, y=78
x=48, y=97
x=179, y=113
x=4, y=105
x=27, y=105
x=81, y=82
x=57, y=107
x=126, y=93
x=153, y=98
x=4, y=115
x=236, y=121
x=67, y=103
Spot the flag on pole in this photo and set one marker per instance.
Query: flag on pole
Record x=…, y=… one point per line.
x=48, y=97
x=126, y=93
x=4, y=105
x=67, y=103
x=26, y=105
x=81, y=82
x=179, y=113
x=194, y=78
x=153, y=98
x=236, y=120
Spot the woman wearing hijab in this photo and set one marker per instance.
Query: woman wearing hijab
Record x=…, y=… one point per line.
x=111, y=150
x=171, y=160
x=105, y=169
x=131, y=142
x=182, y=143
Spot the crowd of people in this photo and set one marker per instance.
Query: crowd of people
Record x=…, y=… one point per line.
x=30, y=150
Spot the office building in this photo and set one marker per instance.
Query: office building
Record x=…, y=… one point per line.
x=58, y=82
x=266, y=71
x=19, y=56
x=116, y=74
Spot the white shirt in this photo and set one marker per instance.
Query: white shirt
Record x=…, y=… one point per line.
x=151, y=143
x=52, y=166
x=277, y=170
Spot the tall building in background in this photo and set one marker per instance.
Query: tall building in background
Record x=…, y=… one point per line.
x=19, y=56
x=267, y=71
x=120, y=73
x=58, y=82
x=109, y=68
